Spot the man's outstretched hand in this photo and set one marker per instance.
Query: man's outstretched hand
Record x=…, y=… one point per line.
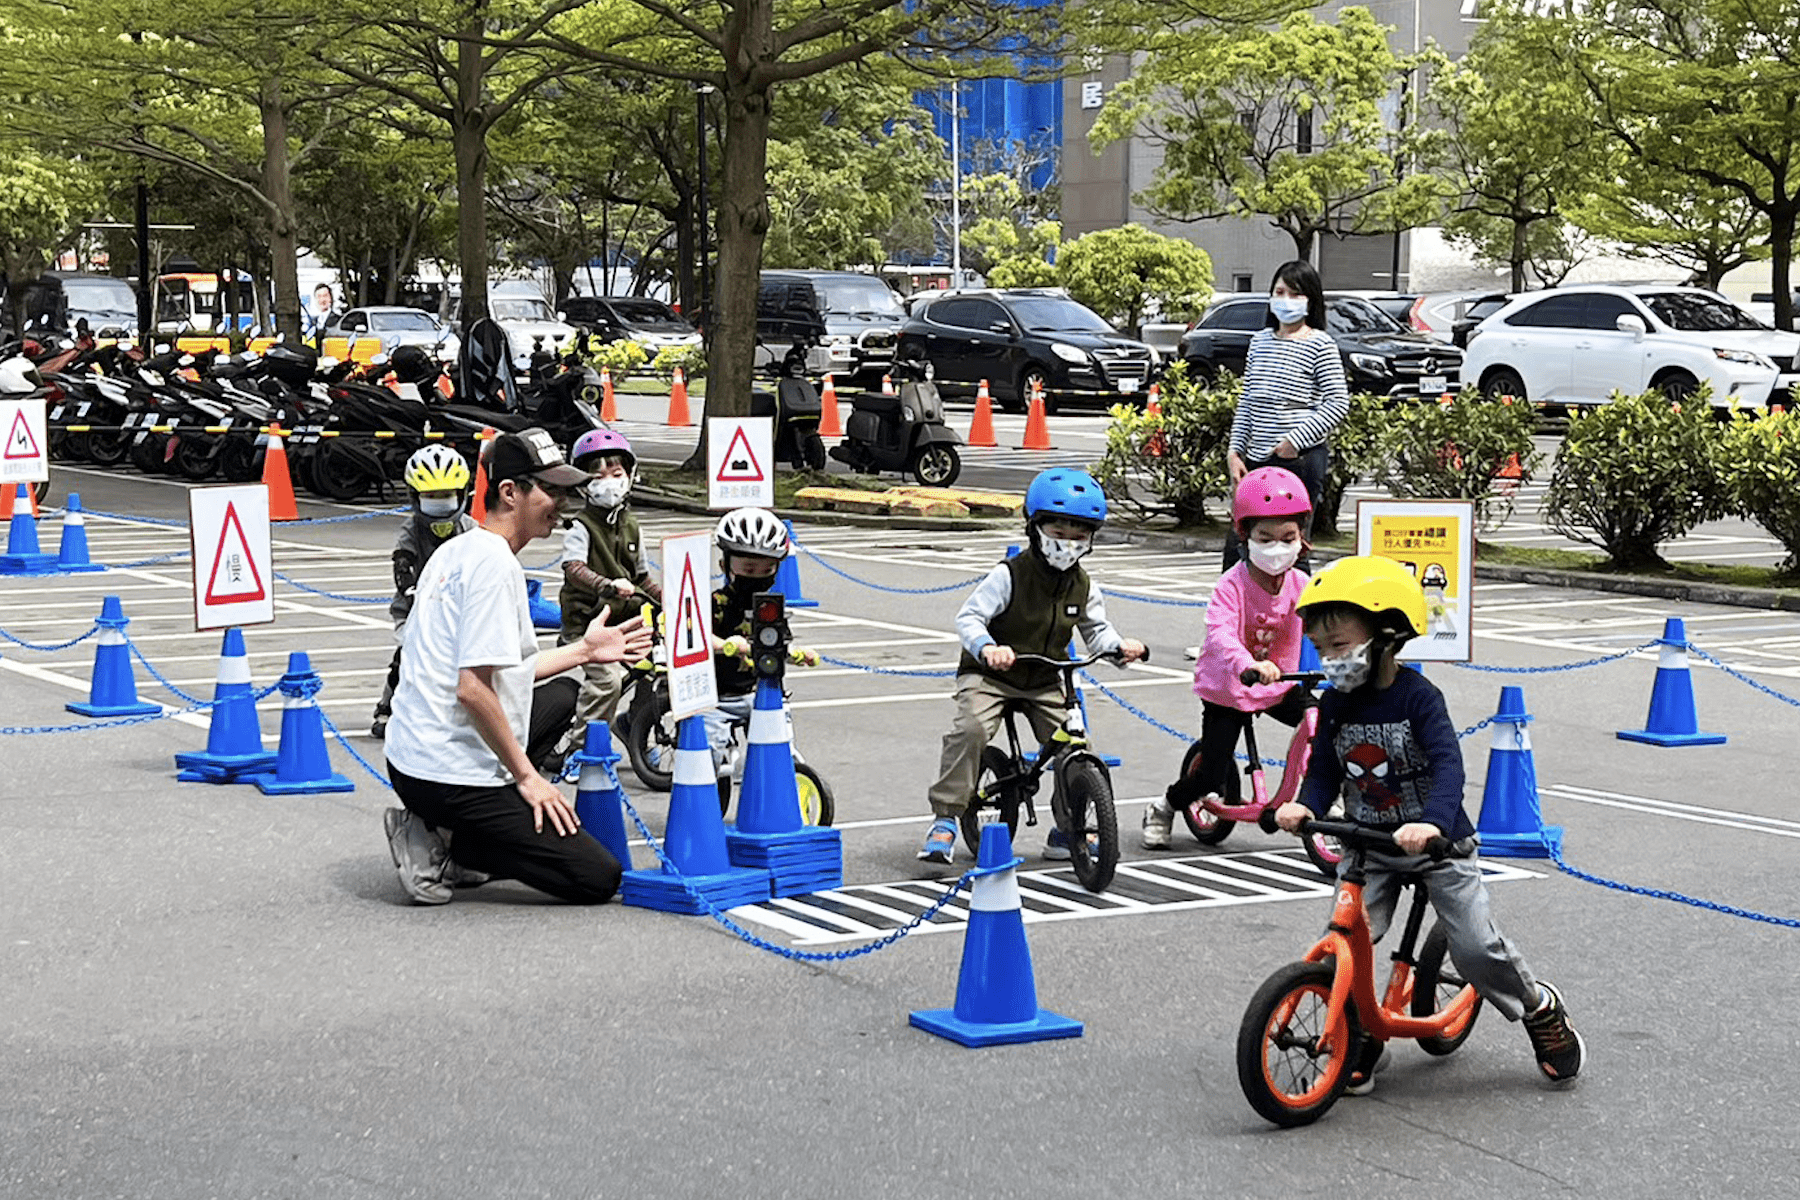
x=625, y=642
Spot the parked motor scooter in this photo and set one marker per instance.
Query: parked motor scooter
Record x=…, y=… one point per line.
x=904, y=433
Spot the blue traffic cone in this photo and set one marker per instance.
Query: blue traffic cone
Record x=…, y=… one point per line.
x=23, y=557
x=1673, y=719
x=787, y=575
x=769, y=801
x=72, y=551
x=996, y=997
x=1309, y=657
x=598, y=795
x=699, y=870
x=302, y=764
x=234, y=741
x=1512, y=824
x=545, y=614
x=113, y=691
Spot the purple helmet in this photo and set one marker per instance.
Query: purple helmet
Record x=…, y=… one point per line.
x=602, y=443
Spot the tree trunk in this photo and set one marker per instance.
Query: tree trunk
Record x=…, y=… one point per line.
x=284, y=235
x=1781, y=241
x=1517, y=259
x=468, y=132
x=743, y=216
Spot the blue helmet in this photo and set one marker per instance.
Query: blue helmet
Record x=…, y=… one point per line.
x=1065, y=492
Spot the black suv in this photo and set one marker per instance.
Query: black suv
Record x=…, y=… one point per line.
x=1011, y=337
x=1381, y=356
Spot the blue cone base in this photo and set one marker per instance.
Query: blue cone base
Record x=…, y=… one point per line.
x=1522, y=845
x=28, y=564
x=800, y=861
x=271, y=785
x=63, y=568
x=946, y=1024
x=142, y=708
x=667, y=893
x=200, y=767
x=1112, y=760
x=1671, y=739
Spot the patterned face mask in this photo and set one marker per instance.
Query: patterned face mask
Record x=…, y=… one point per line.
x=1063, y=553
x=608, y=492
x=1348, y=671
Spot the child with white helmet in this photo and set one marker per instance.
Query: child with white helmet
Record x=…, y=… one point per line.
x=438, y=478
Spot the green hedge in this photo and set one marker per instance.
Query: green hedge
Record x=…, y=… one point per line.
x=1760, y=469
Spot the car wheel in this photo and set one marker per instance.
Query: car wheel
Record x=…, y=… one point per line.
x=1201, y=373
x=1503, y=381
x=1676, y=386
x=1034, y=377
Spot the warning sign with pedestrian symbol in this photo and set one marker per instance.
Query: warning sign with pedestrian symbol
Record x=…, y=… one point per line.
x=233, y=564
x=687, y=613
x=22, y=457
x=740, y=461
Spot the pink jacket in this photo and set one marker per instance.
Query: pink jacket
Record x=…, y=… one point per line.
x=1245, y=624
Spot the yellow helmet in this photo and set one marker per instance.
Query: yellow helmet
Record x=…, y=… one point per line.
x=1375, y=585
x=436, y=468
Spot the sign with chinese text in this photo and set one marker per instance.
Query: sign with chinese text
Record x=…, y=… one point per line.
x=740, y=462
x=234, y=569
x=687, y=616
x=23, y=458
x=1435, y=540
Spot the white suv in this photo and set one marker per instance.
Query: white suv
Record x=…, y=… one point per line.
x=1578, y=345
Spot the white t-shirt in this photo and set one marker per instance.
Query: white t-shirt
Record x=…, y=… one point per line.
x=469, y=610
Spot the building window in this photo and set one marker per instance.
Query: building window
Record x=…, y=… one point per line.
x=1243, y=281
x=1247, y=122
x=1303, y=133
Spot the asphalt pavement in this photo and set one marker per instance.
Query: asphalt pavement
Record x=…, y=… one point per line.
x=211, y=992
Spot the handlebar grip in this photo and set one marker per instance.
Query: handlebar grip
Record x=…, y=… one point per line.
x=1438, y=848
x=1249, y=675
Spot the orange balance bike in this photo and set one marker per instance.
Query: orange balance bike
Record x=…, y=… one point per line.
x=1303, y=1031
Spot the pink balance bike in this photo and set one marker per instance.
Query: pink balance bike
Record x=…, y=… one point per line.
x=1211, y=820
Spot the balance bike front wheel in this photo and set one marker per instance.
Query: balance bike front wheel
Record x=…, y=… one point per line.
x=1088, y=818
x=1289, y=1072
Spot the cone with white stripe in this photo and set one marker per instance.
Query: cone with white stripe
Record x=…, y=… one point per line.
x=1512, y=824
x=23, y=557
x=770, y=832
x=598, y=794
x=113, y=689
x=72, y=550
x=1673, y=719
x=996, y=996
x=302, y=763
x=234, y=742
x=700, y=871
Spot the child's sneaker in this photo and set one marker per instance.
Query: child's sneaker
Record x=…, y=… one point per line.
x=1372, y=1057
x=1056, y=845
x=940, y=842
x=1560, y=1050
x=1159, y=823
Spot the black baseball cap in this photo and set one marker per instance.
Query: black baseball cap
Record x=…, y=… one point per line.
x=532, y=454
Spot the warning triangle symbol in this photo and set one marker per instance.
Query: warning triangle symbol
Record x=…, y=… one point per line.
x=19, y=442
x=740, y=465
x=234, y=578
x=691, y=644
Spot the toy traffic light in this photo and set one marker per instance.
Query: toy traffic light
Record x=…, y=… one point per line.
x=769, y=635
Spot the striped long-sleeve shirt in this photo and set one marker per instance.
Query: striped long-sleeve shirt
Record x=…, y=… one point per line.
x=1293, y=388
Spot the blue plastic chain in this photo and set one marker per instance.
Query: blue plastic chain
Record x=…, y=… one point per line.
x=198, y=701
x=334, y=731
x=1574, y=666
x=177, y=524
x=910, y=673
x=306, y=587
x=899, y=591
x=51, y=649
x=1743, y=678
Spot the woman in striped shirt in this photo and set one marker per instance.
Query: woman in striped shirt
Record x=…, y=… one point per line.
x=1294, y=390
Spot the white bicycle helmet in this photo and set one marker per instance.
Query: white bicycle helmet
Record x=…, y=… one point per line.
x=19, y=375
x=753, y=531
x=436, y=468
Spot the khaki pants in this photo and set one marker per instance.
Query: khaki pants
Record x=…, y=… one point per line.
x=601, y=686
x=980, y=702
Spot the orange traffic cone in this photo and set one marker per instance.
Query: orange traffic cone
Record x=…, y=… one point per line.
x=609, y=403
x=1777, y=409
x=6, y=501
x=830, y=424
x=1157, y=446
x=1153, y=401
x=981, y=426
x=1513, y=468
x=276, y=478
x=478, y=500
x=678, y=405
x=887, y=386
x=1037, y=429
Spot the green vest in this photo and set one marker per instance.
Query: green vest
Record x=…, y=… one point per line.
x=1040, y=618
x=614, y=552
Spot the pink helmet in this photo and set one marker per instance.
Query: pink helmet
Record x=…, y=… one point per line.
x=603, y=442
x=1269, y=492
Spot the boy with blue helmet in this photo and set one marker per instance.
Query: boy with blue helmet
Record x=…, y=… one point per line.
x=1031, y=603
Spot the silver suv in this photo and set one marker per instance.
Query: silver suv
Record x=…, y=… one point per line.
x=861, y=314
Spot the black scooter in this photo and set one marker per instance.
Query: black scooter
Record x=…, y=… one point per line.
x=904, y=433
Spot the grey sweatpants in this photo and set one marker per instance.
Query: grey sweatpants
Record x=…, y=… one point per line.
x=1483, y=955
x=980, y=704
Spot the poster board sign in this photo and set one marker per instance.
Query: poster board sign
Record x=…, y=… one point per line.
x=740, y=462
x=234, y=567
x=687, y=611
x=24, y=454
x=1435, y=540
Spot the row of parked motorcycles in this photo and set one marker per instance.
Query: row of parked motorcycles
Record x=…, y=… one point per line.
x=349, y=426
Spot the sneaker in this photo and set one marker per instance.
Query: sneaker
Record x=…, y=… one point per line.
x=378, y=729
x=940, y=842
x=1374, y=1057
x=1159, y=822
x=419, y=855
x=1560, y=1050
x=1056, y=846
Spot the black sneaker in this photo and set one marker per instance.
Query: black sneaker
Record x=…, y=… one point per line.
x=1560, y=1050
x=1372, y=1057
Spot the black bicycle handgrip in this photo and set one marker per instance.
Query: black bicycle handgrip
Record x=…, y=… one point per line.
x=1249, y=675
x=1438, y=848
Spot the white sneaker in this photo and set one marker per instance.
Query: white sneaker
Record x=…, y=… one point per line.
x=1159, y=822
x=419, y=855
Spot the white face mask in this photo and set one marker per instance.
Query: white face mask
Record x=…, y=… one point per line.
x=608, y=492
x=1274, y=558
x=1288, y=310
x=1063, y=553
x=440, y=506
x=1349, y=671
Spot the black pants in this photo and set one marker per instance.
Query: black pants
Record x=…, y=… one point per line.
x=492, y=826
x=1310, y=467
x=1220, y=729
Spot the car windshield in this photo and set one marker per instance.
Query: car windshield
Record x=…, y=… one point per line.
x=403, y=321
x=1698, y=313
x=88, y=295
x=648, y=314
x=1049, y=314
x=864, y=297
x=520, y=308
x=1348, y=314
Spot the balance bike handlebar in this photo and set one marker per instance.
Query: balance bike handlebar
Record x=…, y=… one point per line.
x=1365, y=838
x=1076, y=664
x=1308, y=679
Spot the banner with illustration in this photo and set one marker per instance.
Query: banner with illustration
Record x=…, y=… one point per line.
x=1435, y=540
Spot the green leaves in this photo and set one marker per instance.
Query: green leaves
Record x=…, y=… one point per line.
x=1123, y=273
x=1172, y=463
x=1457, y=450
x=1760, y=468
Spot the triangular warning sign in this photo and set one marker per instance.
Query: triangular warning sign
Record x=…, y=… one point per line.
x=19, y=442
x=740, y=465
x=690, y=644
x=234, y=579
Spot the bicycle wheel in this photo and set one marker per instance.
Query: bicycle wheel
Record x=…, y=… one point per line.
x=1208, y=828
x=651, y=744
x=1326, y=852
x=817, y=805
x=1090, y=821
x=1435, y=984
x=1001, y=804
x=1289, y=1073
